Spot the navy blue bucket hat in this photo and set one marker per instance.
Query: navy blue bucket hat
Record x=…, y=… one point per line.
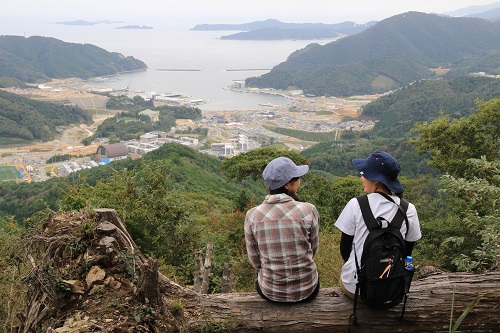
x=381, y=167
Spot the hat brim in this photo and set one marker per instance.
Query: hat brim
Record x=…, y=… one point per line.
x=369, y=173
x=301, y=170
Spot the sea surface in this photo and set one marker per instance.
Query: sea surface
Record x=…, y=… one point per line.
x=210, y=63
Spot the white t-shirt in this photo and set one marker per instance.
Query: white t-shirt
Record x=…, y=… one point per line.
x=351, y=223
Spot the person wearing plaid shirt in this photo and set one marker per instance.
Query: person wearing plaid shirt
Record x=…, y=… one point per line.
x=282, y=237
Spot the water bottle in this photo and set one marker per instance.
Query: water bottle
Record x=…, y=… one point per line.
x=409, y=271
x=409, y=264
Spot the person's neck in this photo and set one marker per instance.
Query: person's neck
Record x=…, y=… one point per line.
x=382, y=191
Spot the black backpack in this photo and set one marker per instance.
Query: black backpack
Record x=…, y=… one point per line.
x=381, y=273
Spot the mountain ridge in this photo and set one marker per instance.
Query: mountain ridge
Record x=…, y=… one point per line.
x=389, y=55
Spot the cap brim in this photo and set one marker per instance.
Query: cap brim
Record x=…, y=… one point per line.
x=301, y=170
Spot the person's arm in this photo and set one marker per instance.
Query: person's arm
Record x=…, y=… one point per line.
x=409, y=247
x=346, y=222
x=345, y=246
x=314, y=233
x=252, y=248
x=414, y=234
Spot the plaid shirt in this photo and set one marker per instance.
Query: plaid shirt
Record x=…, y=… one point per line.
x=281, y=239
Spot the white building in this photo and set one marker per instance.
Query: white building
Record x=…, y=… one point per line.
x=154, y=116
x=224, y=149
x=238, y=84
x=242, y=142
x=148, y=137
x=295, y=92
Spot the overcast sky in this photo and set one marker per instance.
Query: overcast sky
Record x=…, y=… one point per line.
x=224, y=11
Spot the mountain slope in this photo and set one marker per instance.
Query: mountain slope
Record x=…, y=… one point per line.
x=23, y=119
x=389, y=55
x=40, y=58
x=424, y=101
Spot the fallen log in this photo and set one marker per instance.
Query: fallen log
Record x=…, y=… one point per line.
x=157, y=304
x=428, y=309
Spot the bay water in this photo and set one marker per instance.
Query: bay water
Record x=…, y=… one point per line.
x=199, y=63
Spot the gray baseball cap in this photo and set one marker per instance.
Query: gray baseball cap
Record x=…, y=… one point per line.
x=281, y=170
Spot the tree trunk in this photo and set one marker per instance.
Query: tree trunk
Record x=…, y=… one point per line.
x=207, y=267
x=227, y=278
x=148, y=284
x=198, y=270
x=428, y=309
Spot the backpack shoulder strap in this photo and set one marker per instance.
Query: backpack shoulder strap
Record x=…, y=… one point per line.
x=397, y=221
x=402, y=208
x=370, y=221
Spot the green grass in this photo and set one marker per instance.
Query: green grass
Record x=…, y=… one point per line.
x=8, y=173
x=304, y=135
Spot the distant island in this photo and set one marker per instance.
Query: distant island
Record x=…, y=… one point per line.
x=83, y=22
x=135, y=27
x=281, y=34
x=273, y=29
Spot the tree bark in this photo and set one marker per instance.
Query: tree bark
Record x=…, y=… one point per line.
x=198, y=270
x=148, y=284
x=207, y=267
x=227, y=279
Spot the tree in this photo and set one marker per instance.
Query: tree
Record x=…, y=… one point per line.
x=467, y=150
x=252, y=163
x=476, y=197
x=451, y=143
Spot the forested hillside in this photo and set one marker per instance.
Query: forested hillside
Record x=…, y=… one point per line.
x=396, y=115
x=7, y=82
x=41, y=58
x=24, y=120
x=425, y=100
x=393, y=53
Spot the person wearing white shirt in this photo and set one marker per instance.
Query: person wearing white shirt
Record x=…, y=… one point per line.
x=379, y=174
